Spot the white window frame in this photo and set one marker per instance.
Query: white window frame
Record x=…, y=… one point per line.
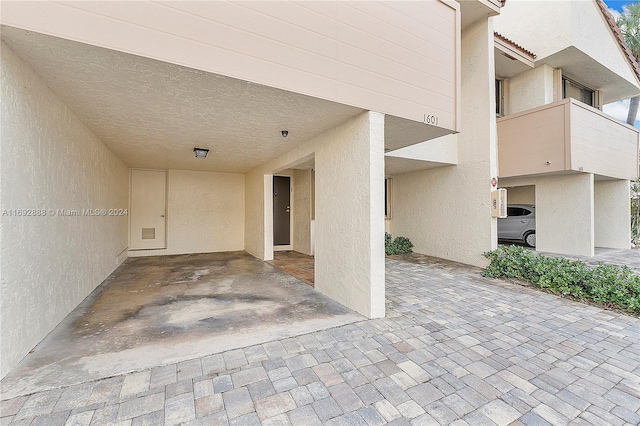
x=388, y=185
x=581, y=87
x=500, y=97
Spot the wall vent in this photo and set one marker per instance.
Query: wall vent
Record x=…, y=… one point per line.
x=148, y=233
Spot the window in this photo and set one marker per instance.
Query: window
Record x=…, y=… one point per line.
x=571, y=89
x=387, y=198
x=499, y=97
x=518, y=211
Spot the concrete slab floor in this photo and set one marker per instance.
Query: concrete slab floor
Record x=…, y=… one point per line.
x=163, y=309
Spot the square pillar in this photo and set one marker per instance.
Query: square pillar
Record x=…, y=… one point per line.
x=349, y=224
x=565, y=214
x=612, y=213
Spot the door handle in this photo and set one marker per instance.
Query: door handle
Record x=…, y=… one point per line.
x=523, y=221
x=161, y=215
x=288, y=210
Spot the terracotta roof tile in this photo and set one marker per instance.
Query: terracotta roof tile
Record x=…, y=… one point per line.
x=515, y=46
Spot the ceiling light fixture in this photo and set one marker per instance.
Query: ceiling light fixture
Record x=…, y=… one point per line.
x=200, y=152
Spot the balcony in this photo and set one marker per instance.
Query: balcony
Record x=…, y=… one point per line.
x=563, y=137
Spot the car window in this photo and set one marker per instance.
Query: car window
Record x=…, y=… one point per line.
x=526, y=212
x=515, y=211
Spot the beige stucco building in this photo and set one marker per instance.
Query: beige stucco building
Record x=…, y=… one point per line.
x=377, y=115
x=556, y=149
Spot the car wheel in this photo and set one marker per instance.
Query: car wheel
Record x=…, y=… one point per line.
x=530, y=239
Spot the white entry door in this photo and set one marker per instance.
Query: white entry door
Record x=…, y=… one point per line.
x=148, y=209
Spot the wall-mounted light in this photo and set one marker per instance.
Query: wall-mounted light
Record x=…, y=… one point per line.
x=200, y=152
x=285, y=133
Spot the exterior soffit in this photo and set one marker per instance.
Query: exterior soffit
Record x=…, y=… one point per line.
x=510, y=57
x=633, y=62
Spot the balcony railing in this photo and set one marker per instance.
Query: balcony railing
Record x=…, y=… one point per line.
x=566, y=136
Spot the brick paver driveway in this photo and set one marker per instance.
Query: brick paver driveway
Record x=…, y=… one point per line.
x=455, y=348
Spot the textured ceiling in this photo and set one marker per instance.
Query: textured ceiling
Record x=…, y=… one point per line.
x=152, y=114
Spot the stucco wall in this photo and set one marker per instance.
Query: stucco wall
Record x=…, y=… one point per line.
x=205, y=213
x=549, y=26
x=51, y=160
x=446, y=211
x=349, y=211
x=302, y=211
x=612, y=213
x=530, y=89
x=349, y=226
x=564, y=212
x=256, y=214
x=592, y=35
x=521, y=195
x=550, y=18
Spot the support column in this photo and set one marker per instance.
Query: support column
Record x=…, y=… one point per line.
x=258, y=224
x=612, y=213
x=565, y=214
x=349, y=226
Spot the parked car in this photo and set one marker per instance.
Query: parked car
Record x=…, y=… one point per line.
x=520, y=224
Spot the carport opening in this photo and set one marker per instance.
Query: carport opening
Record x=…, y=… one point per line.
x=519, y=227
x=157, y=310
x=522, y=195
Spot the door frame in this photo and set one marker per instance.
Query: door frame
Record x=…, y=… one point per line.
x=166, y=207
x=291, y=195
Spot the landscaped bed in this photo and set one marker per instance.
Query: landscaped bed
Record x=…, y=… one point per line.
x=611, y=286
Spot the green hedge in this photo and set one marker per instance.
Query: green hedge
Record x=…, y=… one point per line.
x=611, y=285
x=399, y=245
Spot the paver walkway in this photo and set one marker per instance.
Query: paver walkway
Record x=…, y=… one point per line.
x=609, y=256
x=455, y=348
x=621, y=257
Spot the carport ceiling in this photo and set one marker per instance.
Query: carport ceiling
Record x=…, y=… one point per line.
x=152, y=114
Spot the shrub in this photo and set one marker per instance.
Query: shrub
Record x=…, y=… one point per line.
x=399, y=245
x=388, y=244
x=617, y=286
